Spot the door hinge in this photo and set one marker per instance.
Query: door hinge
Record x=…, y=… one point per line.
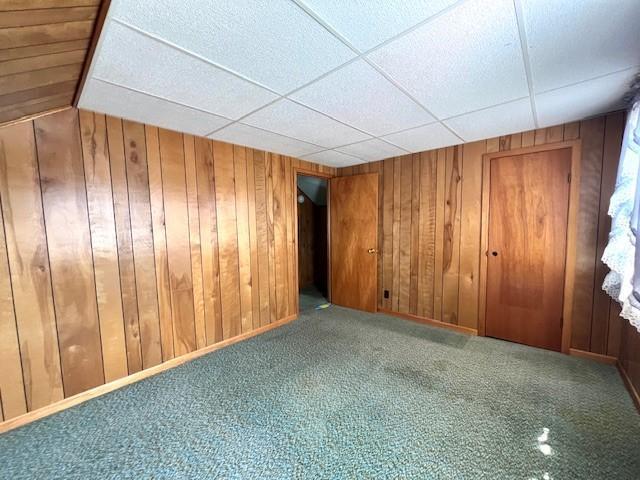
x=569, y=177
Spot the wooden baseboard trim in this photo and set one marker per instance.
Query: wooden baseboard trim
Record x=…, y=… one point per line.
x=430, y=321
x=82, y=397
x=596, y=357
x=635, y=395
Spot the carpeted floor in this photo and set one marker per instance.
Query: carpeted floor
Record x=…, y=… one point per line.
x=344, y=394
x=310, y=298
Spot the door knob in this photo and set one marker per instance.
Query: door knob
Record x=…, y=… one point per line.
x=372, y=250
x=495, y=254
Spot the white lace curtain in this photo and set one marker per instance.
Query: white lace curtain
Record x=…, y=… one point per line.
x=621, y=254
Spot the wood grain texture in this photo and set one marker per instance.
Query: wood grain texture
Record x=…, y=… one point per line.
x=172, y=157
x=125, y=244
x=156, y=197
x=244, y=243
x=133, y=260
x=194, y=240
x=592, y=134
x=451, y=246
x=528, y=208
x=208, y=240
x=280, y=235
x=42, y=45
x=142, y=241
x=104, y=244
x=227, y=239
x=612, y=143
x=354, y=237
x=470, y=211
x=66, y=219
x=12, y=394
x=29, y=266
x=426, y=242
x=448, y=285
x=262, y=232
x=404, y=241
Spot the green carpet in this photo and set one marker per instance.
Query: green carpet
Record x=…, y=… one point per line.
x=344, y=394
x=310, y=298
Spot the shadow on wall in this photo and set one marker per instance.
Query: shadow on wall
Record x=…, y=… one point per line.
x=312, y=233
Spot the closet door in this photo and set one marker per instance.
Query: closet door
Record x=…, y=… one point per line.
x=528, y=210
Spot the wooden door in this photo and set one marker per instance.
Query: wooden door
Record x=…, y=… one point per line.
x=528, y=212
x=353, y=203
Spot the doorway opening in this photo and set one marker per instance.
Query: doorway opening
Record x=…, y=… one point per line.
x=313, y=282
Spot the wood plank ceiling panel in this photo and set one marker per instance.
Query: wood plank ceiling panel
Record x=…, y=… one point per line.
x=43, y=47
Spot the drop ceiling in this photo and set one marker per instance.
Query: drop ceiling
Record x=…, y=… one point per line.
x=345, y=82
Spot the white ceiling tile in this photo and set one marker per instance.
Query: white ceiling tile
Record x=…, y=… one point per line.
x=372, y=150
x=241, y=134
x=333, y=159
x=359, y=95
x=110, y=99
x=424, y=138
x=491, y=122
x=571, y=41
x=288, y=118
x=153, y=67
x=384, y=18
x=466, y=59
x=274, y=43
x=584, y=99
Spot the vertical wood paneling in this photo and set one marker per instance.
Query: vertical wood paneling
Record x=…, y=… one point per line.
x=67, y=225
x=291, y=221
x=227, y=239
x=244, y=244
x=439, y=247
x=592, y=134
x=614, y=127
x=271, y=236
x=29, y=265
x=138, y=252
x=470, y=211
x=262, y=236
x=209, y=239
x=125, y=244
x=12, y=396
x=426, y=241
x=395, y=289
x=253, y=239
x=142, y=240
x=528, y=138
x=105, y=248
x=280, y=235
x=156, y=197
x=194, y=239
x=415, y=232
x=178, y=242
x=451, y=248
x=404, y=279
x=449, y=217
x=387, y=232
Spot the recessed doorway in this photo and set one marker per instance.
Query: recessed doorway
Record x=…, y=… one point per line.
x=313, y=282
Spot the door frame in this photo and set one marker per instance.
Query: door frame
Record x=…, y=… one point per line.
x=570, y=256
x=325, y=176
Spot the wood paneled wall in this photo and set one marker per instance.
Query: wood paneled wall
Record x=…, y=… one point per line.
x=629, y=358
x=43, y=46
x=124, y=245
x=430, y=219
